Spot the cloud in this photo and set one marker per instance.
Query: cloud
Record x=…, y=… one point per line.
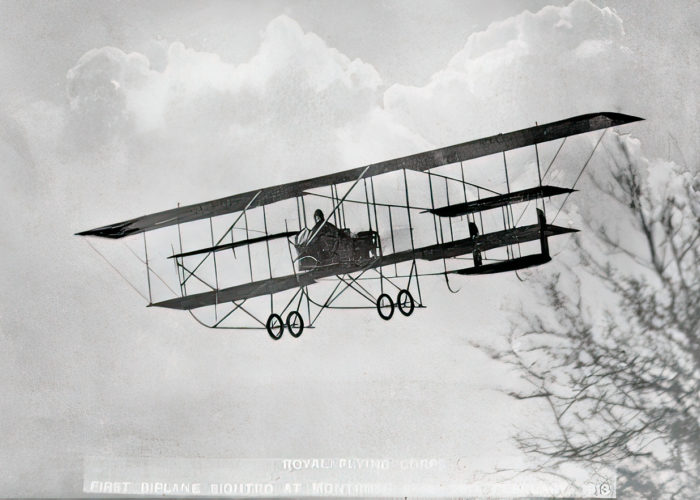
x=297, y=102
x=293, y=78
x=544, y=66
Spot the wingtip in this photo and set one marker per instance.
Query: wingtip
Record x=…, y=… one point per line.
x=89, y=232
x=622, y=118
x=112, y=231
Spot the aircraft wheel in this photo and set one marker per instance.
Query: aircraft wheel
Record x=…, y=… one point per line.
x=295, y=324
x=405, y=302
x=275, y=326
x=385, y=307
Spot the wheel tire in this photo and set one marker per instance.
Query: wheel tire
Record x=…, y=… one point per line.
x=405, y=302
x=384, y=298
x=295, y=324
x=274, y=325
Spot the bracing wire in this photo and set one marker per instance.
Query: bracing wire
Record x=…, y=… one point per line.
x=151, y=269
x=554, y=158
x=580, y=174
x=542, y=178
x=116, y=270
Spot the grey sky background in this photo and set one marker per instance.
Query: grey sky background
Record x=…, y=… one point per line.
x=109, y=110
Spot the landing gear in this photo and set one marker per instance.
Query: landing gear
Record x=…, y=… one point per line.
x=405, y=302
x=275, y=326
x=385, y=307
x=295, y=324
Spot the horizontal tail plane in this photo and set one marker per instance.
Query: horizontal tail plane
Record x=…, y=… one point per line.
x=507, y=265
x=499, y=201
x=516, y=263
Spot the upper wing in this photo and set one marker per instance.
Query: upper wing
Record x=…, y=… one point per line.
x=420, y=162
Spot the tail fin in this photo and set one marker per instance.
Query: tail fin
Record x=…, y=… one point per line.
x=544, y=245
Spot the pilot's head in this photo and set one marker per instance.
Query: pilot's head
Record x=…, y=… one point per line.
x=318, y=215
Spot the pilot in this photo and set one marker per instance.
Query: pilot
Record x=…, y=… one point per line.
x=306, y=235
x=326, y=229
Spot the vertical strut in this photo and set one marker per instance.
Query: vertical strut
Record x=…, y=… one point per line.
x=269, y=262
x=414, y=265
x=539, y=173
x=464, y=187
x=303, y=210
x=341, y=210
x=250, y=260
x=335, y=215
x=408, y=210
x=369, y=216
x=393, y=245
x=506, y=215
x=216, y=272
x=183, y=285
x=148, y=270
x=289, y=247
x=298, y=213
x=177, y=270
x=432, y=205
x=505, y=167
x=374, y=204
x=481, y=217
x=447, y=193
x=376, y=225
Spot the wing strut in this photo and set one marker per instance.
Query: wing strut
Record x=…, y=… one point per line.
x=230, y=229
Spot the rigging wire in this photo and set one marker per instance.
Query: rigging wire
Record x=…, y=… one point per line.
x=116, y=270
x=554, y=158
x=580, y=174
x=542, y=178
x=152, y=271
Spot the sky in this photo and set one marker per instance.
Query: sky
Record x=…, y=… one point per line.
x=110, y=110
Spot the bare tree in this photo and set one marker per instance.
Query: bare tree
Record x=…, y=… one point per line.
x=623, y=381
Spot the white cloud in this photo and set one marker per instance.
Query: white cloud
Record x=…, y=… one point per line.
x=544, y=66
x=279, y=81
x=293, y=103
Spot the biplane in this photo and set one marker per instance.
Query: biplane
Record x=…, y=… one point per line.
x=268, y=265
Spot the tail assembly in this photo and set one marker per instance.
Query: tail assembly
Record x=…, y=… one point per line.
x=518, y=262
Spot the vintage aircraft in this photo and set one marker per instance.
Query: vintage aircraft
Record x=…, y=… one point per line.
x=365, y=262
